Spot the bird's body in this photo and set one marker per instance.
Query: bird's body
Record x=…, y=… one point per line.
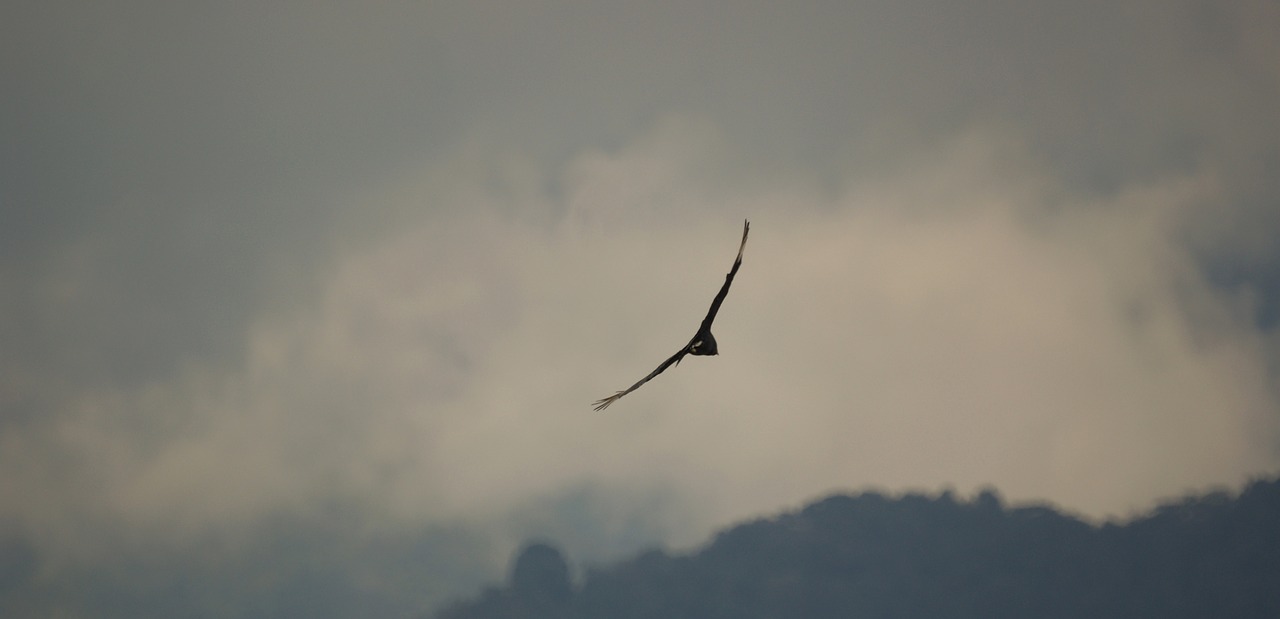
x=703, y=342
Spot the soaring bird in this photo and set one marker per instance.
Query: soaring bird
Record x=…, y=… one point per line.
x=702, y=343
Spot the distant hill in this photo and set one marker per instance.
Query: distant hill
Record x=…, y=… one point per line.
x=871, y=555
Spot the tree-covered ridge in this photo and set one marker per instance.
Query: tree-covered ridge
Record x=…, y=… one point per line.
x=871, y=555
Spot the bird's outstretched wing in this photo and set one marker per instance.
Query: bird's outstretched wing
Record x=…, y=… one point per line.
x=604, y=403
x=728, y=279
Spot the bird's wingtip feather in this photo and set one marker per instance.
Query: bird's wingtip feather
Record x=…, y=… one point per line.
x=604, y=403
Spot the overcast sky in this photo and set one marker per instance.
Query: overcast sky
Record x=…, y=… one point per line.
x=306, y=303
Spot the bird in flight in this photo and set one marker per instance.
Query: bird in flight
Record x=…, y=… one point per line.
x=703, y=343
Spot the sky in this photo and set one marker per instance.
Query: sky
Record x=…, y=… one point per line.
x=303, y=304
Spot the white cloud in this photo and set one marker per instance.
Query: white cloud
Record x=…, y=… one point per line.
x=954, y=324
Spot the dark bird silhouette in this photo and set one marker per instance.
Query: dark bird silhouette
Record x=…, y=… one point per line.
x=702, y=343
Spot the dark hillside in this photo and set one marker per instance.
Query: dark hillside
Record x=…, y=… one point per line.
x=916, y=556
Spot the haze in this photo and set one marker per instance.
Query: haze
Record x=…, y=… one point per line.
x=303, y=288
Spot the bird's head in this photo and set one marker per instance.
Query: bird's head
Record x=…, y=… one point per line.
x=704, y=344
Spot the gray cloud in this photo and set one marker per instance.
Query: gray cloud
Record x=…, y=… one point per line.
x=263, y=266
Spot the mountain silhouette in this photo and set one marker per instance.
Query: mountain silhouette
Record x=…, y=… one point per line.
x=917, y=556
